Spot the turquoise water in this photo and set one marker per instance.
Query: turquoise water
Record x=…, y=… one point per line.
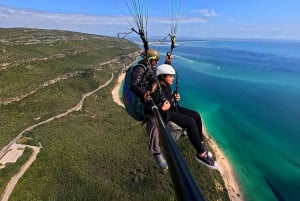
x=248, y=93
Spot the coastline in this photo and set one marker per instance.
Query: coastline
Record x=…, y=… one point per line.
x=225, y=168
x=116, y=89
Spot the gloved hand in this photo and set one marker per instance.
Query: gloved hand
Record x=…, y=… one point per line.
x=176, y=96
x=168, y=59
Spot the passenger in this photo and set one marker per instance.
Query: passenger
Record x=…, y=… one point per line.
x=182, y=116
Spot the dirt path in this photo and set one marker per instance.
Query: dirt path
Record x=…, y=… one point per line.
x=76, y=108
x=12, y=154
x=14, y=180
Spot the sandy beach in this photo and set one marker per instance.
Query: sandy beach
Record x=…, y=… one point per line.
x=115, y=91
x=225, y=167
x=226, y=170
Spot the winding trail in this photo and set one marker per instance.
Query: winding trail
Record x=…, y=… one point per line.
x=14, y=180
x=10, y=186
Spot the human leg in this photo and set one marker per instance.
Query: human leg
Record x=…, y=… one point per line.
x=152, y=131
x=202, y=156
x=189, y=123
x=154, y=146
x=196, y=116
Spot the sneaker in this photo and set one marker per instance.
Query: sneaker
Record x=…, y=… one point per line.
x=184, y=132
x=207, y=161
x=161, y=161
x=205, y=148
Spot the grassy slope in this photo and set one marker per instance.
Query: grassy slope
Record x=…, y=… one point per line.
x=95, y=154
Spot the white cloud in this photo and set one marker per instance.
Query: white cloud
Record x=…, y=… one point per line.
x=206, y=12
x=193, y=20
x=103, y=25
x=197, y=24
x=19, y=15
x=183, y=20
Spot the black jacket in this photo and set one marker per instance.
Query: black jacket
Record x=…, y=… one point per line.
x=159, y=96
x=142, y=80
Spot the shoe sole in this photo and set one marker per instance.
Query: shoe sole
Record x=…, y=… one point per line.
x=215, y=167
x=163, y=168
x=164, y=165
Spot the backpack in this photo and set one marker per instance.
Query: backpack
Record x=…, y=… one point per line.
x=133, y=104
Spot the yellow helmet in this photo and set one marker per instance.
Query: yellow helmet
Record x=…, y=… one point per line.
x=152, y=54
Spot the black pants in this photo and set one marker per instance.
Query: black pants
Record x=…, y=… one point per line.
x=190, y=120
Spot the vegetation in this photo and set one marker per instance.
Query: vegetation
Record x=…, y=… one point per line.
x=97, y=153
x=12, y=168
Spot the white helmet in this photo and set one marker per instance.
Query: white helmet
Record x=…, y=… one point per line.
x=165, y=69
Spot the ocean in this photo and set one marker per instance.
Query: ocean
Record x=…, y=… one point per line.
x=248, y=94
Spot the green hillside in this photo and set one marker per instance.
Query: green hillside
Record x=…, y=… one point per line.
x=96, y=153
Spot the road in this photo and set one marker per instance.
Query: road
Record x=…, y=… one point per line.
x=10, y=153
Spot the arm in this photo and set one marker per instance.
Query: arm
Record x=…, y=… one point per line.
x=176, y=96
x=168, y=59
x=137, y=79
x=162, y=103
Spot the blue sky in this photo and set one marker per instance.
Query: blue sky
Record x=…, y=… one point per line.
x=271, y=19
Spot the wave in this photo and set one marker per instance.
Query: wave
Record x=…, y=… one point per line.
x=185, y=59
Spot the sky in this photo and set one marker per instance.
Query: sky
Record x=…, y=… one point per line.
x=239, y=19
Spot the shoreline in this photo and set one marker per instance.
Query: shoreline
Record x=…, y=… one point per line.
x=116, y=89
x=225, y=168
